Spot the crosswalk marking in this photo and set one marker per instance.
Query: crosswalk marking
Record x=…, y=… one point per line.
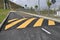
x=13, y=23
x=12, y=20
x=39, y=22
x=26, y=23
x=50, y=22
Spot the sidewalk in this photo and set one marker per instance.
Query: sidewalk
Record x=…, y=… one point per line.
x=46, y=16
x=51, y=18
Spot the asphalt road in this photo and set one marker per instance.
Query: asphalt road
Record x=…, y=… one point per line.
x=43, y=32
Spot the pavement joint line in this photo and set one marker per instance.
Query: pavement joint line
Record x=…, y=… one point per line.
x=41, y=16
x=46, y=31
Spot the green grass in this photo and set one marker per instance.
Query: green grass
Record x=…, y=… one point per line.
x=3, y=14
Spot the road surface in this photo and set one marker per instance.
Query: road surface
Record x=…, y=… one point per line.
x=26, y=27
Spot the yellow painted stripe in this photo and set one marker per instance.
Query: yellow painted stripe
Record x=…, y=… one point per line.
x=12, y=20
x=50, y=22
x=24, y=25
x=39, y=22
x=13, y=23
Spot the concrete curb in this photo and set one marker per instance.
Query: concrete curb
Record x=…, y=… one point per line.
x=4, y=20
x=41, y=16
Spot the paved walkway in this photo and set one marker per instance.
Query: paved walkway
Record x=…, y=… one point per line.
x=40, y=16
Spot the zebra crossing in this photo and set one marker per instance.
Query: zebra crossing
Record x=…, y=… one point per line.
x=28, y=21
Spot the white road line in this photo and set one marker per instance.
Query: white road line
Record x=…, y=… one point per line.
x=46, y=31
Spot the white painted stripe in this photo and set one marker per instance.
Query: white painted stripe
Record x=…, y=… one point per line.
x=46, y=31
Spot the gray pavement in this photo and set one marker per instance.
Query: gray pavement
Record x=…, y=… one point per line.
x=29, y=33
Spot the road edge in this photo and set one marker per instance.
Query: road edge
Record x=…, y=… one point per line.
x=4, y=21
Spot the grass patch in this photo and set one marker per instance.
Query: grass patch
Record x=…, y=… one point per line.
x=3, y=14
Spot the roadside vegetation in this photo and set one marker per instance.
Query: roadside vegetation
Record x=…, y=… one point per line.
x=3, y=14
x=4, y=10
